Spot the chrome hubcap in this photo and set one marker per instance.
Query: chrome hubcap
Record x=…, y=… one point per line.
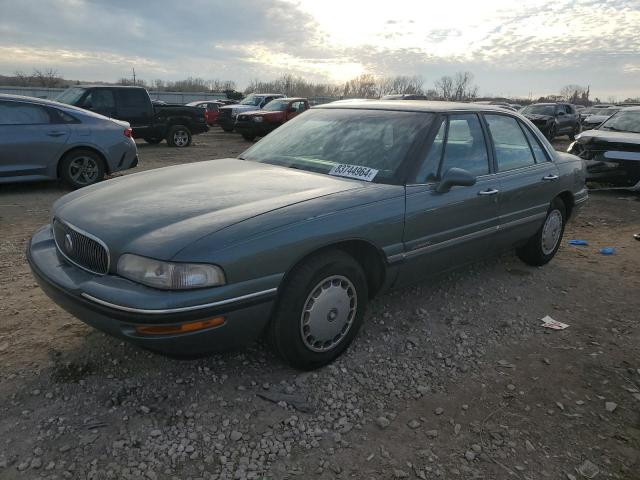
x=551, y=231
x=83, y=170
x=180, y=138
x=328, y=313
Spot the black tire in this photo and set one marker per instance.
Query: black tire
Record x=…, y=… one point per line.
x=179, y=136
x=534, y=252
x=153, y=141
x=81, y=168
x=330, y=270
x=227, y=129
x=552, y=132
x=576, y=130
x=248, y=138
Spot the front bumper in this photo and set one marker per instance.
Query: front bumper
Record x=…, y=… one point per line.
x=245, y=316
x=254, y=129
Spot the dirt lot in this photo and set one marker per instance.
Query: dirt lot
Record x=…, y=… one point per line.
x=454, y=378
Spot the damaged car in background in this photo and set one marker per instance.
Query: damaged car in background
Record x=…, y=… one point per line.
x=597, y=116
x=612, y=150
x=554, y=119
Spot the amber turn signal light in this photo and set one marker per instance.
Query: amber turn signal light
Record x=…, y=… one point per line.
x=182, y=328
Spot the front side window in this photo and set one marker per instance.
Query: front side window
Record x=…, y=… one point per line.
x=511, y=147
x=323, y=139
x=18, y=113
x=465, y=146
x=429, y=168
x=100, y=99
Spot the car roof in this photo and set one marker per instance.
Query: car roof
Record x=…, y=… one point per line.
x=266, y=94
x=412, y=106
x=50, y=103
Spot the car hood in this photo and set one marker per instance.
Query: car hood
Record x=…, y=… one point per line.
x=240, y=108
x=535, y=116
x=158, y=213
x=608, y=136
x=596, y=118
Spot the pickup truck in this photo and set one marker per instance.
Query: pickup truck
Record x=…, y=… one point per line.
x=261, y=122
x=254, y=101
x=154, y=123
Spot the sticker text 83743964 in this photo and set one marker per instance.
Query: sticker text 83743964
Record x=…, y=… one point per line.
x=354, y=171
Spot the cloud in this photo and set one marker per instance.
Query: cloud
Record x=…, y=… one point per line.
x=530, y=46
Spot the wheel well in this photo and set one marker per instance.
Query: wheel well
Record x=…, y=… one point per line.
x=368, y=256
x=567, y=199
x=91, y=149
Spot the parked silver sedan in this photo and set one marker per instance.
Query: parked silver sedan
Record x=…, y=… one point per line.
x=41, y=139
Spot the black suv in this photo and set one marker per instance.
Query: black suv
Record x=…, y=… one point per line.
x=554, y=119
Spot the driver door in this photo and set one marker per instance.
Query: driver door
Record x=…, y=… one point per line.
x=444, y=230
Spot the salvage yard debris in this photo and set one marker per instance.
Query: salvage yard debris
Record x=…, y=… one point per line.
x=548, y=322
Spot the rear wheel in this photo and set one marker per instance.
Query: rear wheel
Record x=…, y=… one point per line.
x=320, y=310
x=179, y=136
x=152, y=141
x=80, y=168
x=542, y=247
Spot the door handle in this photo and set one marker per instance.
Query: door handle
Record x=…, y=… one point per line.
x=550, y=177
x=489, y=191
x=56, y=134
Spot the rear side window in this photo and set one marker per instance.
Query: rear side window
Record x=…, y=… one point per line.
x=465, y=146
x=538, y=151
x=100, y=99
x=19, y=113
x=511, y=146
x=132, y=98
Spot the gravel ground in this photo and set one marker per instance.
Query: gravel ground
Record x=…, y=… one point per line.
x=453, y=378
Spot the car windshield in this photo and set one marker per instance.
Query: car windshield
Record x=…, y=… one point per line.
x=251, y=100
x=623, y=122
x=276, y=105
x=70, y=96
x=606, y=111
x=539, y=109
x=366, y=144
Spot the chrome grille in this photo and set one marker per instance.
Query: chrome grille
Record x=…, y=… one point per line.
x=80, y=248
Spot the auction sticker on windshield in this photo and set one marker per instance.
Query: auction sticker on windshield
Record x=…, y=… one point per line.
x=354, y=171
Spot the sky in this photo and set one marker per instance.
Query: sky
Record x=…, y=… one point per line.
x=514, y=48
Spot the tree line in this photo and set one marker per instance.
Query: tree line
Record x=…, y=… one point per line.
x=457, y=87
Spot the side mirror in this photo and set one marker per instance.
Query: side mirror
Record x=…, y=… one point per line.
x=455, y=177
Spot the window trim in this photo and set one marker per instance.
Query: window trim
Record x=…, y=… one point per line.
x=544, y=151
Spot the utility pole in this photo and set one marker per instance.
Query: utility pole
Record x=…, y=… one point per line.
x=134, y=75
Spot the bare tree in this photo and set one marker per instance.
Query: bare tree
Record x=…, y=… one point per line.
x=444, y=87
x=576, y=94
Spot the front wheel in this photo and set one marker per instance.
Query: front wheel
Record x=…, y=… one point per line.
x=227, y=129
x=248, y=138
x=320, y=310
x=179, y=136
x=542, y=247
x=552, y=132
x=80, y=168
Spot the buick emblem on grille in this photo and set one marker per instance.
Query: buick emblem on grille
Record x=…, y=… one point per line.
x=68, y=243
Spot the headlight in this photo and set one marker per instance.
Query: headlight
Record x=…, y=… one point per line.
x=571, y=145
x=168, y=275
x=258, y=119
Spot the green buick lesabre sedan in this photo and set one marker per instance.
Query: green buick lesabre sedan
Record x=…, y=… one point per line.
x=292, y=238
